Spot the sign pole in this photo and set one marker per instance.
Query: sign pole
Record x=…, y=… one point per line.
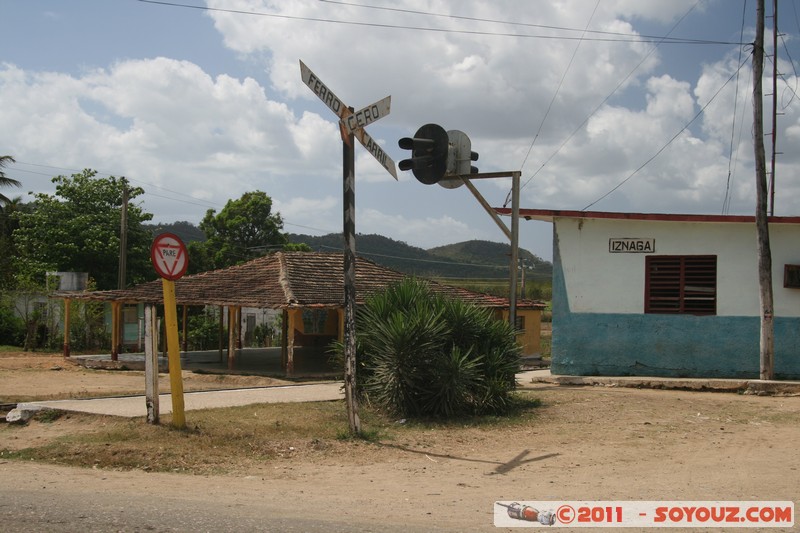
x=173, y=353
x=170, y=259
x=351, y=125
x=349, y=180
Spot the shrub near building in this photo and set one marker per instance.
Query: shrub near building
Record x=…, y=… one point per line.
x=422, y=354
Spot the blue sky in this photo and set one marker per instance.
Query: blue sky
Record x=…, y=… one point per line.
x=199, y=106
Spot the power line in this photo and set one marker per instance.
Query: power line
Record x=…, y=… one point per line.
x=632, y=38
x=606, y=99
x=419, y=260
x=192, y=200
x=726, y=204
x=511, y=23
x=558, y=88
x=699, y=113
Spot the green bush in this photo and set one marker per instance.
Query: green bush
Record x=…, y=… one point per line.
x=88, y=329
x=203, y=331
x=420, y=354
x=12, y=328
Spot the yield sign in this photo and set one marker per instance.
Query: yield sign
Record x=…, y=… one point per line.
x=353, y=122
x=169, y=255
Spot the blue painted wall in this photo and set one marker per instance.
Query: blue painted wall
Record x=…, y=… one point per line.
x=600, y=344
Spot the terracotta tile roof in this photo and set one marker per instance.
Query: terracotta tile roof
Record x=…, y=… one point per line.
x=282, y=280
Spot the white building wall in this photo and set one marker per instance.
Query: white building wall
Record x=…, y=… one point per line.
x=598, y=281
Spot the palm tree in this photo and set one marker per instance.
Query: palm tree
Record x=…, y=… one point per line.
x=4, y=181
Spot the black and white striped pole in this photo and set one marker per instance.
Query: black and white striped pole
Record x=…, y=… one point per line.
x=349, y=229
x=351, y=124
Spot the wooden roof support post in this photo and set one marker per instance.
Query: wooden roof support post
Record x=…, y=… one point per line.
x=184, y=327
x=231, y=337
x=284, y=337
x=290, y=326
x=115, y=327
x=340, y=314
x=221, y=335
x=238, y=327
x=66, y=326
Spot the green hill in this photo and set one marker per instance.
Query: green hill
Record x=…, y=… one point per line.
x=187, y=231
x=470, y=259
x=481, y=265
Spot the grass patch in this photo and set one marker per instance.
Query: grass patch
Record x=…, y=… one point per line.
x=8, y=348
x=240, y=439
x=48, y=416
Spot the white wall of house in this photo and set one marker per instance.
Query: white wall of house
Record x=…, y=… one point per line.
x=599, y=281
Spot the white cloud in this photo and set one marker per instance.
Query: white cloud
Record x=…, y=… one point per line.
x=195, y=135
x=306, y=209
x=425, y=232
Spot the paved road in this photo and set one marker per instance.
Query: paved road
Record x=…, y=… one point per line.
x=38, y=498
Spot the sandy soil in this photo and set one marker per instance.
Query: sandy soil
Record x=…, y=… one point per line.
x=590, y=443
x=27, y=376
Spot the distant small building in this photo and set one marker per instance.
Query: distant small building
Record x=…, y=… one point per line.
x=669, y=295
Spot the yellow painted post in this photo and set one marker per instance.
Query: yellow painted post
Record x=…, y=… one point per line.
x=173, y=353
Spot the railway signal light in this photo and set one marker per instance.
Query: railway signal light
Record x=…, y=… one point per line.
x=429, y=153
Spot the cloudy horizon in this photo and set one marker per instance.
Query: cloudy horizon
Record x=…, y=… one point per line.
x=611, y=105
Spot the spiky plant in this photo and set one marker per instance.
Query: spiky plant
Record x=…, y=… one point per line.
x=420, y=354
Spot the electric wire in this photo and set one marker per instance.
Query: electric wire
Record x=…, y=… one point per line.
x=621, y=39
x=726, y=203
x=793, y=91
x=558, y=88
x=699, y=113
x=606, y=99
x=419, y=260
x=510, y=23
x=206, y=204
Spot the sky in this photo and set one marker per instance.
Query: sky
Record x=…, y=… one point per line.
x=605, y=105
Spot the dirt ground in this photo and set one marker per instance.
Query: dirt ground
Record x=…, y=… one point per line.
x=587, y=443
x=27, y=376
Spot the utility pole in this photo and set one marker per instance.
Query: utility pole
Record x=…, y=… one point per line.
x=767, y=340
x=774, y=106
x=121, y=271
x=123, y=236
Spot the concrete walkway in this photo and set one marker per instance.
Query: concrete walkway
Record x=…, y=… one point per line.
x=746, y=386
x=134, y=406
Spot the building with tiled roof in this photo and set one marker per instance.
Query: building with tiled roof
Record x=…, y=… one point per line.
x=299, y=284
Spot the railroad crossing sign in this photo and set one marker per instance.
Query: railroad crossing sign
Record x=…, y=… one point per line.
x=353, y=122
x=169, y=256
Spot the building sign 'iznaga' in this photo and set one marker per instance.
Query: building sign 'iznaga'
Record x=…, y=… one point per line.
x=631, y=246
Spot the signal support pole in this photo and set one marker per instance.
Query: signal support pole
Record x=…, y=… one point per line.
x=512, y=234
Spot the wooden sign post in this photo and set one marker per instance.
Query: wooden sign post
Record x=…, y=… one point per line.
x=352, y=125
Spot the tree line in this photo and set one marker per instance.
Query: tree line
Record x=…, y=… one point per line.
x=78, y=227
